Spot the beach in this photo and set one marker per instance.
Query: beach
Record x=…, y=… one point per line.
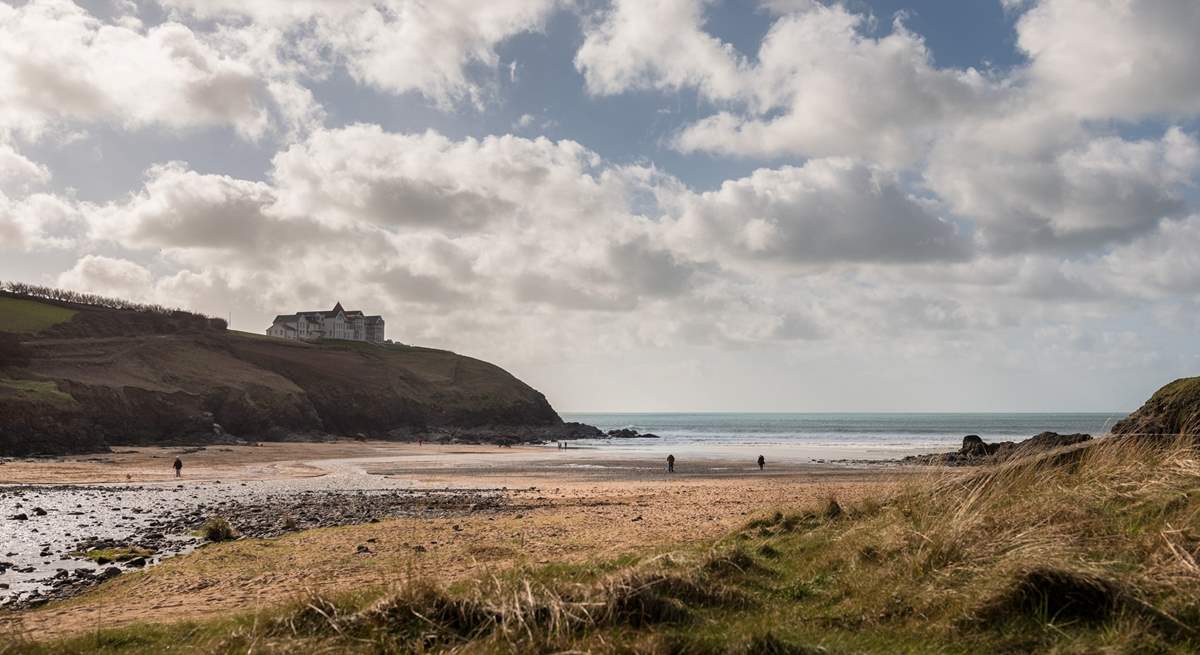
x=348, y=515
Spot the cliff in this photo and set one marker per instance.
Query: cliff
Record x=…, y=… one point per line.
x=1173, y=410
x=76, y=378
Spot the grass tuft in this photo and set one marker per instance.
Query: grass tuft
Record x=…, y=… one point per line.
x=217, y=529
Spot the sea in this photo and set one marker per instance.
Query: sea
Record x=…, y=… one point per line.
x=854, y=436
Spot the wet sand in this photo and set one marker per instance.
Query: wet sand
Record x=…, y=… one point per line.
x=439, y=511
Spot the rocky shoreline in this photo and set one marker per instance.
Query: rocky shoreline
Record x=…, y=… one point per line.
x=60, y=541
x=976, y=452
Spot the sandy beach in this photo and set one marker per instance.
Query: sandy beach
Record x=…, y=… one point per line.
x=451, y=511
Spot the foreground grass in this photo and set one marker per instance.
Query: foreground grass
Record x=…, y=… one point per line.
x=1093, y=550
x=29, y=316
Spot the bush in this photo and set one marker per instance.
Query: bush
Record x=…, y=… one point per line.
x=23, y=290
x=12, y=353
x=218, y=529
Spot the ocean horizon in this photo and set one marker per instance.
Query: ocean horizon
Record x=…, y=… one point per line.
x=853, y=435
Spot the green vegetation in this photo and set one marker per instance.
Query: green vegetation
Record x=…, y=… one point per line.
x=1085, y=551
x=106, y=555
x=30, y=316
x=217, y=529
x=34, y=390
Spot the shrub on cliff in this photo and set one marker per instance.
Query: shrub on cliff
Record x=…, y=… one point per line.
x=12, y=353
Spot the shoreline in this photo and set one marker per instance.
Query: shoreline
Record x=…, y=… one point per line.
x=316, y=503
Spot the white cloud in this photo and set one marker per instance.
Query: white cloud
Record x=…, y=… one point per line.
x=59, y=63
x=657, y=44
x=395, y=46
x=819, y=87
x=822, y=88
x=1049, y=187
x=108, y=276
x=41, y=221
x=827, y=211
x=1114, y=58
x=18, y=173
x=1160, y=265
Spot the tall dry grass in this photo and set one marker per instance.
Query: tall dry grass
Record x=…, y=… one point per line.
x=1105, y=531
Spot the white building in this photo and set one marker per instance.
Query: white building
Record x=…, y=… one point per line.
x=336, y=323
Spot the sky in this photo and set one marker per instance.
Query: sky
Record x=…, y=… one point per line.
x=639, y=205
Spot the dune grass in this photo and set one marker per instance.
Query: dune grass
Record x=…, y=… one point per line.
x=1091, y=550
x=30, y=316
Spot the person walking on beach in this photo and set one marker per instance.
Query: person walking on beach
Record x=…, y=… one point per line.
x=670, y=463
x=178, y=466
x=762, y=462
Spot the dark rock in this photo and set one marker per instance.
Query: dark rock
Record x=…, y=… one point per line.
x=1049, y=441
x=623, y=433
x=973, y=446
x=19, y=517
x=975, y=451
x=136, y=563
x=110, y=572
x=38, y=511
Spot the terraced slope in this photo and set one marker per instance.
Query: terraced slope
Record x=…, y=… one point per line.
x=105, y=377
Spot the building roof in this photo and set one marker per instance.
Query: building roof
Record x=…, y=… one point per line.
x=310, y=316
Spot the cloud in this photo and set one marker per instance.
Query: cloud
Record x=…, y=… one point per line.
x=18, y=173
x=60, y=64
x=109, y=276
x=395, y=46
x=827, y=211
x=1159, y=265
x=1114, y=58
x=819, y=86
x=41, y=221
x=1050, y=187
x=659, y=44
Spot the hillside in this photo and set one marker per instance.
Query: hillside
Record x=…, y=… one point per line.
x=1173, y=410
x=85, y=377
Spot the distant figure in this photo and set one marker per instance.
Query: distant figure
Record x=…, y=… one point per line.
x=762, y=462
x=670, y=463
x=178, y=466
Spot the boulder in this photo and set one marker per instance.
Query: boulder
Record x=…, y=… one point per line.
x=973, y=446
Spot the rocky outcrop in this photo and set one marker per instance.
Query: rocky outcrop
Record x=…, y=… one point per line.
x=975, y=451
x=629, y=433
x=1172, y=411
x=170, y=384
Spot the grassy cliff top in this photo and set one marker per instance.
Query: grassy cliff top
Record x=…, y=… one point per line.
x=24, y=316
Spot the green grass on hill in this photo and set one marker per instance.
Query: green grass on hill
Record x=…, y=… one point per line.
x=34, y=390
x=30, y=316
x=1090, y=551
